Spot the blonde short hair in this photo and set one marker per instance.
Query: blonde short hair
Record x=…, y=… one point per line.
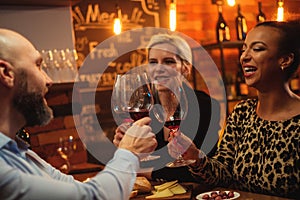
x=182, y=47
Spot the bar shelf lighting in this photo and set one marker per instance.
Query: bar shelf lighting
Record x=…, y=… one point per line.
x=172, y=16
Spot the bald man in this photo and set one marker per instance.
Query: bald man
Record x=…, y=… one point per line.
x=23, y=174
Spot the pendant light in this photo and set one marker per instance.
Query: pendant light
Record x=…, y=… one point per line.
x=117, y=21
x=280, y=11
x=231, y=2
x=172, y=15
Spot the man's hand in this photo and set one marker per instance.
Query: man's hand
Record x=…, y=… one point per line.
x=139, y=139
x=119, y=132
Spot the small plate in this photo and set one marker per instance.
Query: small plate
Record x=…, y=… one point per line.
x=199, y=196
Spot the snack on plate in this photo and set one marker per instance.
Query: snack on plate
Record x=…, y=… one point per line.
x=164, y=185
x=218, y=195
x=167, y=189
x=177, y=189
x=142, y=185
x=160, y=194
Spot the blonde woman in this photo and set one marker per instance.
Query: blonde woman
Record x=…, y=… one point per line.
x=167, y=53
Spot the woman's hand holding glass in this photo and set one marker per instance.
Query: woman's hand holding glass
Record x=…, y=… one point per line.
x=178, y=141
x=170, y=109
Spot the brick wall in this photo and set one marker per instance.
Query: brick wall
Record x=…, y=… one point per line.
x=44, y=140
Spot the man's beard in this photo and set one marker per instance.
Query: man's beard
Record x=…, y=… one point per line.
x=31, y=104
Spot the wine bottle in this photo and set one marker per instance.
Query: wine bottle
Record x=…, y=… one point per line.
x=222, y=28
x=260, y=17
x=230, y=86
x=241, y=87
x=240, y=24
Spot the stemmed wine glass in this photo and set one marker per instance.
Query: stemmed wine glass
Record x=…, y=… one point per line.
x=132, y=99
x=66, y=148
x=170, y=95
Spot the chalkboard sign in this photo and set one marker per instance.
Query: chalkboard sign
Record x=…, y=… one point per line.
x=93, y=26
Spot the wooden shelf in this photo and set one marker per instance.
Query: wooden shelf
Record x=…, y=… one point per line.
x=226, y=44
x=221, y=46
x=56, y=87
x=68, y=86
x=241, y=98
x=39, y=2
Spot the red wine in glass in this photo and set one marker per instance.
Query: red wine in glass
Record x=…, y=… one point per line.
x=173, y=125
x=170, y=94
x=138, y=114
x=132, y=98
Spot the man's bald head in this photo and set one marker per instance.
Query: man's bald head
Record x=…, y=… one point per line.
x=13, y=45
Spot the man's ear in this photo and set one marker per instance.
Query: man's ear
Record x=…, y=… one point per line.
x=7, y=75
x=286, y=60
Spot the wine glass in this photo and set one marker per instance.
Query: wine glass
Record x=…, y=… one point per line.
x=66, y=148
x=132, y=99
x=170, y=95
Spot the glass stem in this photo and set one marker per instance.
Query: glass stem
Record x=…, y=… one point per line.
x=180, y=159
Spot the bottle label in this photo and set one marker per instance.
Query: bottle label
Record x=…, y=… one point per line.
x=221, y=35
x=227, y=33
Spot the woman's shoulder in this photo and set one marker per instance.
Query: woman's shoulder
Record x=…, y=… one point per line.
x=247, y=103
x=245, y=107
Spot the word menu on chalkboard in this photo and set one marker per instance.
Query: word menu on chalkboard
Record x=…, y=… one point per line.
x=102, y=54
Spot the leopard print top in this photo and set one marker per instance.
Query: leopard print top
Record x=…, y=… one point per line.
x=255, y=155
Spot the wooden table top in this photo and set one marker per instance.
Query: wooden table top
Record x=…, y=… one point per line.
x=195, y=189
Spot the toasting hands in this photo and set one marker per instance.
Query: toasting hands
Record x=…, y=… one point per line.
x=120, y=131
x=138, y=138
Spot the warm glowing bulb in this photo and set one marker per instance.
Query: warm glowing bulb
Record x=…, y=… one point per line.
x=117, y=26
x=172, y=17
x=231, y=2
x=280, y=11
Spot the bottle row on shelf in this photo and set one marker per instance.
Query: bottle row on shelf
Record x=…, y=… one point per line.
x=222, y=29
x=60, y=65
x=236, y=88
